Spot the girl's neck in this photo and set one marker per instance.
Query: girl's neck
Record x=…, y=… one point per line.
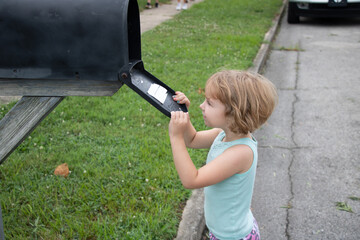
x=231, y=136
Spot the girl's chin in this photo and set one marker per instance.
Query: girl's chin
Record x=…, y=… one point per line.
x=206, y=123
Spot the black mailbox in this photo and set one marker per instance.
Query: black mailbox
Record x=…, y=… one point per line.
x=75, y=48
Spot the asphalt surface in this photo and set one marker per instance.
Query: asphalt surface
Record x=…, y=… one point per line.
x=309, y=158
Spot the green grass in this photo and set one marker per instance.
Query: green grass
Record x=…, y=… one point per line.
x=123, y=184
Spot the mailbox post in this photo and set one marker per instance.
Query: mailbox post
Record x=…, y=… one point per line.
x=53, y=49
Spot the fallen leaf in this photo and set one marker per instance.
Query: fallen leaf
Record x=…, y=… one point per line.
x=62, y=170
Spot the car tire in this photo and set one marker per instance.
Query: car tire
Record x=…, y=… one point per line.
x=292, y=17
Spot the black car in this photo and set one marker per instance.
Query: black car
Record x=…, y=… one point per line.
x=322, y=8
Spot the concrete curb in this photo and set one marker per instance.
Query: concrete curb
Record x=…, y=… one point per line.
x=192, y=224
x=261, y=57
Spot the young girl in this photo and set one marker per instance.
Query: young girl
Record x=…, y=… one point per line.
x=236, y=104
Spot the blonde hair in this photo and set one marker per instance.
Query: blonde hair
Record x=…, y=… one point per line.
x=249, y=98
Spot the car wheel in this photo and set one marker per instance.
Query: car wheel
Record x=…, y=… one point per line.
x=292, y=17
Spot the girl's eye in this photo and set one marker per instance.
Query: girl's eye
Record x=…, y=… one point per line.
x=208, y=102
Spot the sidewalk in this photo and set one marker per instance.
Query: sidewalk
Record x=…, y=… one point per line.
x=307, y=181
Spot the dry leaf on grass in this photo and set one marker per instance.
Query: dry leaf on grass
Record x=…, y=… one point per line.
x=62, y=170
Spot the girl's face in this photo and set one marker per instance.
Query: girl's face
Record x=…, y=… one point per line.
x=213, y=113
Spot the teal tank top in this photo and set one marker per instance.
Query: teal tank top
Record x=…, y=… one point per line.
x=227, y=203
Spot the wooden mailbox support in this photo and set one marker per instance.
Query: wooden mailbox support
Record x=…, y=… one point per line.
x=22, y=119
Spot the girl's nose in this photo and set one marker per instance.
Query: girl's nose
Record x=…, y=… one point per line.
x=202, y=106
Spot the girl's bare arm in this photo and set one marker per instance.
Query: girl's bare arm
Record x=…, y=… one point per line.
x=236, y=159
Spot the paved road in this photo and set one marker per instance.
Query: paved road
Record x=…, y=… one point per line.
x=309, y=150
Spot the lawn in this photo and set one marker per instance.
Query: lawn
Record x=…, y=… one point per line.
x=123, y=184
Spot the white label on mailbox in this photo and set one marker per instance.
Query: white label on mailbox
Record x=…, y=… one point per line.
x=158, y=92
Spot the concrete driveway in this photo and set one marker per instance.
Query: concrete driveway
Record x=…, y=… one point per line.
x=309, y=155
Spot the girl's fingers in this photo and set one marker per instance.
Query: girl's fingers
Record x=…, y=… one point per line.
x=184, y=117
x=179, y=116
x=181, y=98
x=176, y=116
x=179, y=95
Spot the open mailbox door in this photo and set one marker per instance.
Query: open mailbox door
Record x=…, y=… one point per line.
x=150, y=88
x=75, y=48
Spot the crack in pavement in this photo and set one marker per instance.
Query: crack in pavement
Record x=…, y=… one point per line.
x=296, y=100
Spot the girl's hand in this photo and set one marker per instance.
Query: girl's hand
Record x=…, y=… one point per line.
x=181, y=98
x=178, y=124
